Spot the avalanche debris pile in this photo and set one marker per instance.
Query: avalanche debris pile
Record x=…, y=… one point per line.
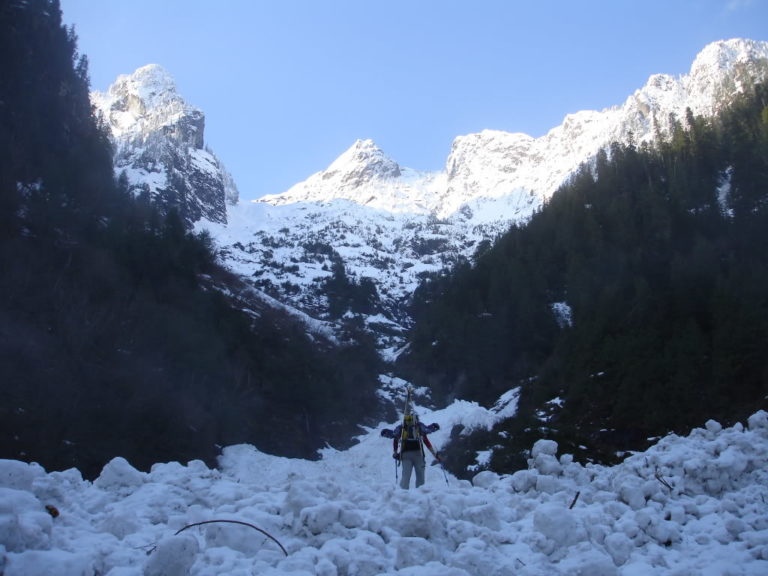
x=694, y=505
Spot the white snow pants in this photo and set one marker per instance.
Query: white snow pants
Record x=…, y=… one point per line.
x=412, y=459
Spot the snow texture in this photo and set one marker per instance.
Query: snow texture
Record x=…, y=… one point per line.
x=395, y=225
x=691, y=505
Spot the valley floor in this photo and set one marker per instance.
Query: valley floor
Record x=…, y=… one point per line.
x=693, y=505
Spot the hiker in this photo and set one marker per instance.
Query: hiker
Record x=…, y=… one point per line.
x=412, y=436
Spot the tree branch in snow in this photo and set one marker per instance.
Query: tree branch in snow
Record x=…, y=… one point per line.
x=267, y=534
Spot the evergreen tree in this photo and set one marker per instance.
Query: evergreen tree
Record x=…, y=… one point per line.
x=666, y=282
x=119, y=334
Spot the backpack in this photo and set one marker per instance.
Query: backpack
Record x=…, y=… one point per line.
x=411, y=438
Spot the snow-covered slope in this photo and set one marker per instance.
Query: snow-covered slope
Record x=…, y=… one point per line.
x=366, y=176
x=394, y=224
x=694, y=505
x=382, y=221
x=159, y=145
x=524, y=171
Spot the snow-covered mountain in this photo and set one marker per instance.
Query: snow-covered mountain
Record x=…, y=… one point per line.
x=159, y=145
x=393, y=224
x=511, y=174
x=368, y=177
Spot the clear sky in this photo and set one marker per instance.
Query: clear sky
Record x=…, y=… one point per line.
x=288, y=85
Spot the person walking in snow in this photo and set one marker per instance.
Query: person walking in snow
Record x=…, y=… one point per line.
x=409, y=439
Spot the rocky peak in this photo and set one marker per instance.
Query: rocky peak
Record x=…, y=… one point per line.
x=159, y=141
x=723, y=69
x=364, y=174
x=361, y=163
x=726, y=55
x=145, y=103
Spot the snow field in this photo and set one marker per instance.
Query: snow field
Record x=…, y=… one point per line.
x=691, y=505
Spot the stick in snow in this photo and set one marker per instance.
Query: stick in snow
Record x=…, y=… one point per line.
x=267, y=534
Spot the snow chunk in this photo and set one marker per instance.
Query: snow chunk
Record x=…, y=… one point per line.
x=713, y=427
x=411, y=551
x=174, y=556
x=563, y=314
x=758, y=420
x=23, y=522
x=544, y=447
x=320, y=518
x=620, y=547
x=19, y=475
x=485, y=479
x=558, y=525
x=544, y=459
x=118, y=473
x=49, y=563
x=523, y=480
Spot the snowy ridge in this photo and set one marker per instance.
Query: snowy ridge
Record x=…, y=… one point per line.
x=528, y=170
x=524, y=171
x=386, y=222
x=395, y=224
x=365, y=175
x=694, y=505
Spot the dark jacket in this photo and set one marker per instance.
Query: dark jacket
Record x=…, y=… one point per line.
x=409, y=445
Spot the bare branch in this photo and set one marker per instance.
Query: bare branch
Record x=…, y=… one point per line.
x=267, y=534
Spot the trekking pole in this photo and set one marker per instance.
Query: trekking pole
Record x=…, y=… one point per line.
x=397, y=465
x=445, y=475
x=442, y=466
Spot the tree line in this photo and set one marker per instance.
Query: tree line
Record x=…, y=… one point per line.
x=659, y=252
x=119, y=332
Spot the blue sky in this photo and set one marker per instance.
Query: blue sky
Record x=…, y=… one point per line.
x=288, y=85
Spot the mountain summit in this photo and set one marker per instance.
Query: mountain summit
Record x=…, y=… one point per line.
x=501, y=177
x=159, y=146
x=383, y=221
x=364, y=174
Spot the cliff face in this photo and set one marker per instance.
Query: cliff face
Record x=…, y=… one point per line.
x=159, y=146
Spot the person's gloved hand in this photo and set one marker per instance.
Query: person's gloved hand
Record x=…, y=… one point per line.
x=396, y=456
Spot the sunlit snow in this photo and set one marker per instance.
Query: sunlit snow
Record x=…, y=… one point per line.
x=687, y=506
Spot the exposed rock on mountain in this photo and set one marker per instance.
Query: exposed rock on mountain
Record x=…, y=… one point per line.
x=375, y=219
x=159, y=145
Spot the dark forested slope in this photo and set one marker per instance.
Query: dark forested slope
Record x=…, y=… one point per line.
x=116, y=337
x=661, y=258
